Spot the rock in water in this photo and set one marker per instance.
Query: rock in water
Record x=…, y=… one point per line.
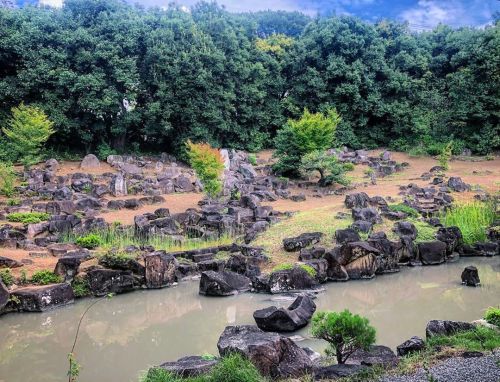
x=4, y=295
x=294, y=317
x=42, y=298
x=432, y=252
x=274, y=356
x=412, y=345
x=160, y=269
x=224, y=283
x=90, y=161
x=470, y=276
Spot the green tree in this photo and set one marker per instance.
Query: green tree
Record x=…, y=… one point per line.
x=445, y=155
x=329, y=168
x=26, y=133
x=311, y=132
x=345, y=332
x=208, y=165
x=7, y=179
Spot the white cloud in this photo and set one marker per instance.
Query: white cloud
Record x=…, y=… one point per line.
x=51, y=3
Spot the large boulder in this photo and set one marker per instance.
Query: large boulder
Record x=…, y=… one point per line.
x=296, y=316
x=376, y=355
x=160, y=269
x=358, y=200
x=42, y=298
x=4, y=295
x=368, y=214
x=456, y=184
x=190, y=366
x=432, y=252
x=105, y=281
x=335, y=271
x=470, y=276
x=348, y=235
x=274, y=356
x=224, y=283
x=295, y=279
x=390, y=252
x=446, y=328
x=414, y=344
x=359, y=259
x=405, y=229
x=453, y=238
x=90, y=161
x=293, y=244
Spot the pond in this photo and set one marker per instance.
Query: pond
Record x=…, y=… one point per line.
x=126, y=334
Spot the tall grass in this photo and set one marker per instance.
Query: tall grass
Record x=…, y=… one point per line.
x=473, y=218
x=118, y=237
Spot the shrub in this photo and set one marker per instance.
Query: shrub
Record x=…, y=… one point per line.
x=252, y=159
x=27, y=130
x=7, y=179
x=492, y=316
x=401, y=207
x=90, y=241
x=311, y=132
x=208, y=165
x=80, y=287
x=329, y=168
x=445, y=155
x=45, y=277
x=104, y=150
x=473, y=218
x=345, y=332
x=235, y=368
x=6, y=277
x=27, y=217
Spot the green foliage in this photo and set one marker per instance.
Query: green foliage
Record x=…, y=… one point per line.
x=27, y=217
x=445, y=155
x=425, y=232
x=473, y=218
x=287, y=266
x=312, y=132
x=80, y=287
x=208, y=165
x=26, y=133
x=74, y=368
x=276, y=44
x=401, y=207
x=345, y=332
x=104, y=150
x=89, y=241
x=252, y=158
x=6, y=276
x=45, y=277
x=232, y=368
x=7, y=179
x=477, y=339
x=13, y=202
x=492, y=316
x=329, y=168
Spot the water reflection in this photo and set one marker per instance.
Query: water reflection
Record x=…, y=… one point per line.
x=121, y=336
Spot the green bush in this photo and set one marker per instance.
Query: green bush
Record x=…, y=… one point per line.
x=492, y=316
x=45, y=277
x=311, y=132
x=26, y=133
x=329, y=168
x=80, y=287
x=445, y=155
x=473, y=218
x=401, y=207
x=477, y=339
x=252, y=159
x=6, y=276
x=104, y=150
x=27, y=217
x=90, y=241
x=345, y=333
x=208, y=165
x=7, y=179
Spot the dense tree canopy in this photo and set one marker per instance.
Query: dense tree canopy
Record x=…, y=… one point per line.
x=110, y=74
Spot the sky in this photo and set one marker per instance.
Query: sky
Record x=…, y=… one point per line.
x=420, y=14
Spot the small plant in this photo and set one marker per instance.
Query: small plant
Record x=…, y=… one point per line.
x=445, y=155
x=287, y=266
x=87, y=188
x=345, y=333
x=7, y=277
x=401, y=207
x=74, y=368
x=7, y=179
x=27, y=217
x=252, y=159
x=208, y=357
x=329, y=168
x=492, y=316
x=234, y=368
x=45, y=277
x=12, y=202
x=208, y=164
x=23, y=279
x=90, y=241
x=80, y=287
x=425, y=232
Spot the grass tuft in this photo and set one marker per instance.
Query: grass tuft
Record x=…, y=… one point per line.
x=27, y=217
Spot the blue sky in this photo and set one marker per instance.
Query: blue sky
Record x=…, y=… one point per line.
x=421, y=14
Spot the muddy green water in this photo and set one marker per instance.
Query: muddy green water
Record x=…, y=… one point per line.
x=126, y=334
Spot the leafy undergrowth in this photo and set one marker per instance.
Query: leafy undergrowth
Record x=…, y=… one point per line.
x=27, y=217
x=118, y=238
x=232, y=368
x=287, y=266
x=472, y=218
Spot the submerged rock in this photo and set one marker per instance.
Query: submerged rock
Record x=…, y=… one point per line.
x=224, y=283
x=432, y=252
x=296, y=316
x=274, y=356
x=42, y=298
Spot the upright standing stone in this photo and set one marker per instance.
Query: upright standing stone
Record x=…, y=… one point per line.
x=160, y=269
x=90, y=161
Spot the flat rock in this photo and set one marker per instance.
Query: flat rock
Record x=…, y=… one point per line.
x=190, y=366
x=224, y=283
x=376, y=355
x=446, y=328
x=42, y=298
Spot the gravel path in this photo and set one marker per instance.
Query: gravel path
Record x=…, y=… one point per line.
x=480, y=369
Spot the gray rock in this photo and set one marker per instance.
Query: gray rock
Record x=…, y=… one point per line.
x=334, y=372
x=446, y=328
x=160, y=269
x=470, y=276
x=377, y=355
x=118, y=185
x=42, y=298
x=432, y=252
x=190, y=366
x=295, y=279
x=90, y=161
x=414, y=344
x=224, y=283
x=105, y=281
